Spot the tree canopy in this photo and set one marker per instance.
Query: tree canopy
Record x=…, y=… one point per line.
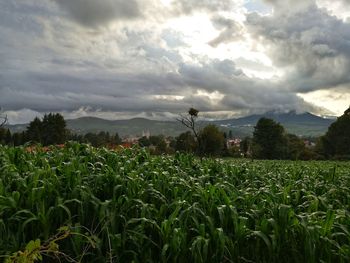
x=336, y=142
x=269, y=141
x=50, y=130
x=185, y=142
x=212, y=140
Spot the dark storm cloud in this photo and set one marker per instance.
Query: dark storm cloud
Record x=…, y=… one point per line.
x=137, y=92
x=313, y=46
x=99, y=13
x=240, y=92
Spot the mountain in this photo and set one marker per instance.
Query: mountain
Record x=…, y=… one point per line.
x=305, y=124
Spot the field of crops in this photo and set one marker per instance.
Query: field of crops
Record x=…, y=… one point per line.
x=82, y=204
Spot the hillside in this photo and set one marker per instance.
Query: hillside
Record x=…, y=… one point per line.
x=134, y=126
x=305, y=124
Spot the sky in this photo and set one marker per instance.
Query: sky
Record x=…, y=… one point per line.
x=119, y=59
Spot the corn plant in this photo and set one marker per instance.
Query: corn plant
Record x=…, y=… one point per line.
x=142, y=208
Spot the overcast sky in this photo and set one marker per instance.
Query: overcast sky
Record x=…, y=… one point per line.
x=156, y=58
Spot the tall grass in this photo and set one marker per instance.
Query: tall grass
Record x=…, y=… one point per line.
x=175, y=209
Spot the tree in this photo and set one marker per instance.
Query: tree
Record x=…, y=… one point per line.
x=8, y=137
x=34, y=130
x=336, y=142
x=269, y=141
x=212, y=140
x=158, y=144
x=189, y=121
x=116, y=139
x=18, y=138
x=161, y=147
x=3, y=120
x=295, y=147
x=144, y=141
x=155, y=139
x=92, y=139
x=246, y=146
x=2, y=135
x=230, y=134
x=185, y=142
x=53, y=129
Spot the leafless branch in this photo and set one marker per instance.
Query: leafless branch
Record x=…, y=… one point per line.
x=3, y=120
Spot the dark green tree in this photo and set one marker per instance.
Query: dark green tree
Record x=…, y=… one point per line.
x=8, y=137
x=34, y=131
x=230, y=134
x=156, y=139
x=295, y=147
x=157, y=143
x=185, y=142
x=144, y=141
x=161, y=146
x=212, y=140
x=2, y=136
x=116, y=139
x=53, y=129
x=91, y=138
x=18, y=138
x=246, y=146
x=269, y=141
x=336, y=142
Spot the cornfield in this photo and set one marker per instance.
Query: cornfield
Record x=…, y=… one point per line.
x=134, y=207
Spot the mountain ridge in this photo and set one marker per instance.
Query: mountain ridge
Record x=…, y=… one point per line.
x=303, y=124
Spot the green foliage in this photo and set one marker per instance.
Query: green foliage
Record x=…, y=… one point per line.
x=51, y=130
x=140, y=208
x=35, y=251
x=158, y=143
x=144, y=141
x=295, y=147
x=5, y=137
x=212, y=141
x=186, y=142
x=35, y=130
x=31, y=254
x=116, y=139
x=246, y=146
x=336, y=142
x=268, y=140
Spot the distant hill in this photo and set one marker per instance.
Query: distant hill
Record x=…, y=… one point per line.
x=305, y=124
x=134, y=126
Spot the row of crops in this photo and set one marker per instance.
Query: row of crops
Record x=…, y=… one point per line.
x=127, y=206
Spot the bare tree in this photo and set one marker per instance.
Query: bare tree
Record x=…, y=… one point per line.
x=3, y=120
x=189, y=121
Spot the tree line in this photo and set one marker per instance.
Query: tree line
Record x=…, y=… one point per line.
x=269, y=141
x=51, y=130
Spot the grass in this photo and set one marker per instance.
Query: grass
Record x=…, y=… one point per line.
x=138, y=208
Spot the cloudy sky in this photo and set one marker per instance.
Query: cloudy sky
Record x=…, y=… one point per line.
x=156, y=58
